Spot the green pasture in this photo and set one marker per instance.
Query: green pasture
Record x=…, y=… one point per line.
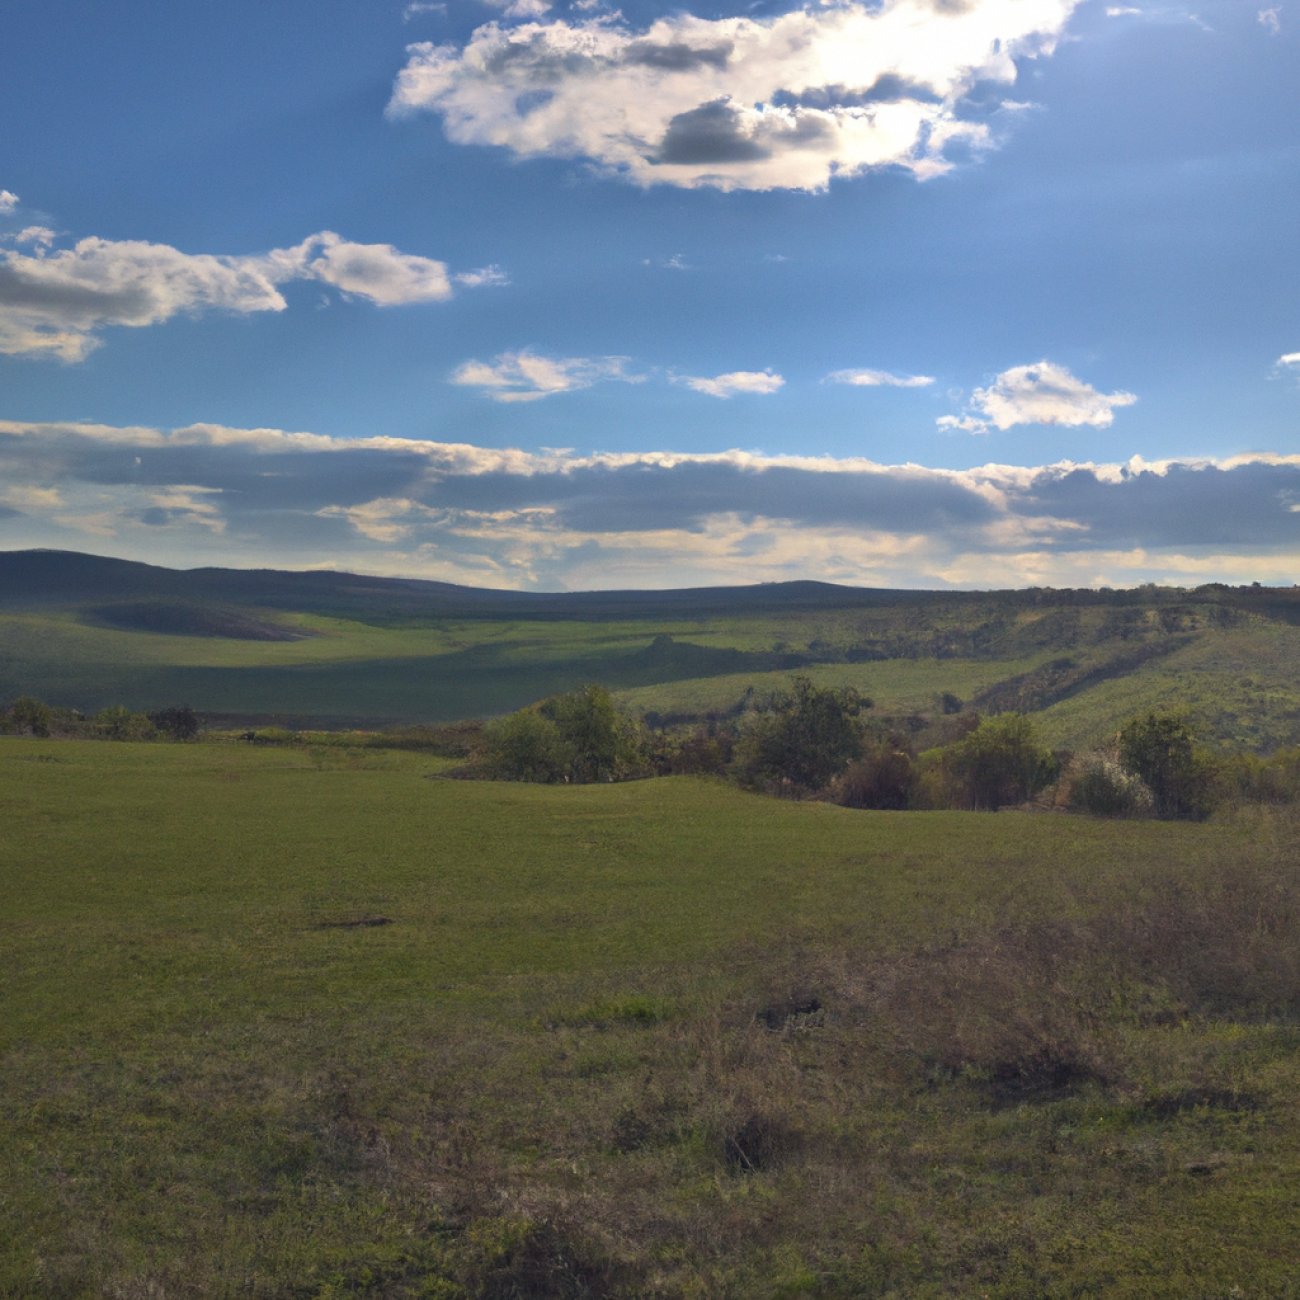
x=321, y=1023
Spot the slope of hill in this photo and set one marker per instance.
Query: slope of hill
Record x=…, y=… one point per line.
x=343, y=649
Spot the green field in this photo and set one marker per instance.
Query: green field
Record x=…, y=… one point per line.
x=330, y=650
x=306, y=1023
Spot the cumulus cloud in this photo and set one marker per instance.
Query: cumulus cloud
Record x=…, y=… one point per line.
x=736, y=103
x=507, y=517
x=738, y=381
x=877, y=378
x=8, y=201
x=1039, y=394
x=1291, y=361
x=526, y=376
x=377, y=272
x=53, y=302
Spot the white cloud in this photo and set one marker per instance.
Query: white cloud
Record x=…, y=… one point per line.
x=520, y=8
x=1291, y=359
x=40, y=237
x=52, y=302
x=8, y=201
x=374, y=271
x=507, y=517
x=738, y=381
x=415, y=9
x=1271, y=18
x=525, y=376
x=876, y=378
x=1119, y=11
x=483, y=277
x=1039, y=394
x=736, y=103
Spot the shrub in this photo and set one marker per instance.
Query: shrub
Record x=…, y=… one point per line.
x=1099, y=785
x=525, y=746
x=119, y=723
x=1000, y=762
x=179, y=721
x=881, y=778
x=590, y=726
x=30, y=715
x=806, y=741
x=1159, y=750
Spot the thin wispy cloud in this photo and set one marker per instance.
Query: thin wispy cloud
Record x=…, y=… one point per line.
x=1272, y=19
x=484, y=276
x=878, y=378
x=414, y=10
x=54, y=302
x=527, y=376
x=734, y=103
x=738, y=381
x=1038, y=394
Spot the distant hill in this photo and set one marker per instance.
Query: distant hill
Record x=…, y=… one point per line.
x=40, y=577
x=334, y=649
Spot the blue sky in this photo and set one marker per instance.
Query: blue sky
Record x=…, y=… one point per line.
x=924, y=293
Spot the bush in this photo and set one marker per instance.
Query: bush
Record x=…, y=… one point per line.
x=179, y=721
x=1159, y=750
x=119, y=723
x=590, y=725
x=805, y=742
x=525, y=747
x=999, y=763
x=1099, y=785
x=881, y=778
x=30, y=715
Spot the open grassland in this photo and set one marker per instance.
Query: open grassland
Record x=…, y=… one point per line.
x=304, y=1023
x=1082, y=673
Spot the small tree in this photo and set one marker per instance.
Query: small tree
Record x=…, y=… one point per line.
x=809, y=740
x=29, y=714
x=1160, y=752
x=591, y=728
x=1000, y=762
x=119, y=723
x=525, y=747
x=179, y=721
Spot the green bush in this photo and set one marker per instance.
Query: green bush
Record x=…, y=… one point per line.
x=806, y=741
x=119, y=723
x=591, y=727
x=1159, y=751
x=30, y=715
x=881, y=778
x=999, y=763
x=525, y=746
x=1101, y=786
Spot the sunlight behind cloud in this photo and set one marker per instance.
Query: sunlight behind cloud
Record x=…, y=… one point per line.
x=734, y=103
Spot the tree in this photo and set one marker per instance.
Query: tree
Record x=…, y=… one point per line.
x=1000, y=762
x=1159, y=751
x=807, y=741
x=589, y=724
x=179, y=721
x=525, y=747
x=29, y=714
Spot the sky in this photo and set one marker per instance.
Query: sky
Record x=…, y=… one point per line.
x=923, y=293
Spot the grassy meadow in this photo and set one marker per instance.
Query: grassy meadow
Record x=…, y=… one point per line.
x=315, y=1022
